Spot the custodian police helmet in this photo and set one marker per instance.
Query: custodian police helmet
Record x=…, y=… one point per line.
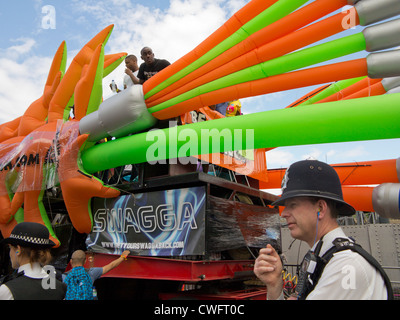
x=312, y=178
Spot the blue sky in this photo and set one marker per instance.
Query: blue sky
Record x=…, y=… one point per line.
x=171, y=27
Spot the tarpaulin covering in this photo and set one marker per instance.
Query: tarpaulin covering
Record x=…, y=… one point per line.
x=34, y=163
x=232, y=225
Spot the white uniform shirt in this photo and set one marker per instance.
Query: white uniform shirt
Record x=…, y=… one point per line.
x=32, y=271
x=128, y=81
x=347, y=276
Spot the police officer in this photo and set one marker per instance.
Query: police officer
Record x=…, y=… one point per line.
x=29, y=252
x=312, y=196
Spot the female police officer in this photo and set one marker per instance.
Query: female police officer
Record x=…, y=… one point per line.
x=29, y=252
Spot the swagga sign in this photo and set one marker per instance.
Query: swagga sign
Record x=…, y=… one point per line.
x=160, y=223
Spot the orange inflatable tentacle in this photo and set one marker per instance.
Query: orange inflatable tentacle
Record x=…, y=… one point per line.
x=73, y=74
x=373, y=90
x=6, y=229
x=85, y=85
x=57, y=64
x=17, y=202
x=355, y=177
x=367, y=172
x=77, y=187
x=5, y=206
x=359, y=197
x=111, y=60
x=308, y=96
x=360, y=173
x=270, y=42
x=34, y=212
x=77, y=194
x=244, y=15
x=359, y=85
x=5, y=202
x=287, y=81
x=9, y=129
x=30, y=191
x=81, y=80
x=49, y=94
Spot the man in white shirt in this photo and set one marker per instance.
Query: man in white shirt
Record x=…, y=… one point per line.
x=131, y=72
x=312, y=196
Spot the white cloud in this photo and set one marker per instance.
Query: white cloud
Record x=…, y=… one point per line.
x=277, y=158
x=331, y=153
x=20, y=49
x=20, y=82
x=171, y=32
x=23, y=46
x=356, y=152
x=344, y=152
x=313, y=153
x=262, y=103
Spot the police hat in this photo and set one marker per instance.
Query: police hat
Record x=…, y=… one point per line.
x=312, y=178
x=31, y=235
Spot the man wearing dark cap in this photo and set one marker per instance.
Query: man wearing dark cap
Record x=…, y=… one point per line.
x=335, y=268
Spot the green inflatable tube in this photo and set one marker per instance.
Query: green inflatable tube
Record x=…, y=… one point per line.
x=332, y=89
x=274, y=13
x=294, y=61
x=368, y=118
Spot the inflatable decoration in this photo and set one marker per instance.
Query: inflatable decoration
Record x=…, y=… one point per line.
x=267, y=46
x=356, y=179
x=41, y=149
